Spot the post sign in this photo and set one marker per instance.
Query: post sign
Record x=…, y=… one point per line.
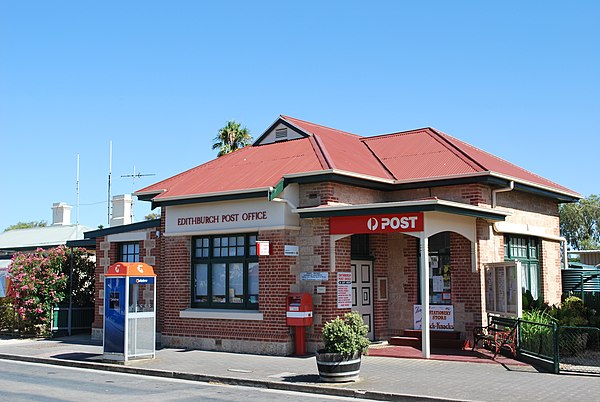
x=390, y=223
x=441, y=317
x=344, y=289
x=248, y=214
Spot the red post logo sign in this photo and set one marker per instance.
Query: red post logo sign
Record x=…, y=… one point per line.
x=391, y=223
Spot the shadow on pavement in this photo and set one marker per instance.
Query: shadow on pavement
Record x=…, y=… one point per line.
x=78, y=356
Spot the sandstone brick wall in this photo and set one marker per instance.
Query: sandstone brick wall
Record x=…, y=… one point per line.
x=395, y=258
x=277, y=278
x=402, y=283
x=466, y=286
x=107, y=253
x=537, y=213
x=379, y=250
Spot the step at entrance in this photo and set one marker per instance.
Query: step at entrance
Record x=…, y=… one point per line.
x=439, y=339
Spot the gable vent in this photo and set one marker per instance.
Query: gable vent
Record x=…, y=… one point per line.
x=281, y=134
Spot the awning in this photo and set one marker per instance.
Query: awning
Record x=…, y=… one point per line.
x=398, y=207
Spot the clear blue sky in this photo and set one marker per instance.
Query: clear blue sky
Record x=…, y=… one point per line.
x=519, y=79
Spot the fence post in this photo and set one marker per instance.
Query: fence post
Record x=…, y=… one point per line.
x=70, y=312
x=556, y=337
x=518, y=335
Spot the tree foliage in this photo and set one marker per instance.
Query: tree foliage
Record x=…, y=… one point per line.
x=231, y=137
x=37, y=284
x=27, y=225
x=152, y=215
x=40, y=280
x=580, y=223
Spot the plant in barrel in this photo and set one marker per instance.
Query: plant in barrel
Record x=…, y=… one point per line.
x=345, y=342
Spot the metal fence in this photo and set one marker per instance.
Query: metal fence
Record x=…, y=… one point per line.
x=557, y=348
x=560, y=348
x=10, y=322
x=579, y=349
x=538, y=342
x=65, y=321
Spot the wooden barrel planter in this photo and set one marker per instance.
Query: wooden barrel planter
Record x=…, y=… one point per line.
x=335, y=367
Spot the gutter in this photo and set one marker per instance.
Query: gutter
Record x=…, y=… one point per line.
x=510, y=187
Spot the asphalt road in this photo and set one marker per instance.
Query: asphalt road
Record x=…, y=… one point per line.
x=21, y=381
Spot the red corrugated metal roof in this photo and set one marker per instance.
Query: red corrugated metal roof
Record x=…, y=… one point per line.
x=245, y=169
x=416, y=155
x=343, y=151
x=495, y=164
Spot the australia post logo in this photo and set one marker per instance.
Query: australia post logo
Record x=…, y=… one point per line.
x=390, y=223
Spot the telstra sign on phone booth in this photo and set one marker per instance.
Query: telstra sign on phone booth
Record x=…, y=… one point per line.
x=129, y=311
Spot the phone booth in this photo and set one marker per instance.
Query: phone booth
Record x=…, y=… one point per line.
x=129, y=311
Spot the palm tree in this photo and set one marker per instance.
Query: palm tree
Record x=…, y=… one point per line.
x=231, y=137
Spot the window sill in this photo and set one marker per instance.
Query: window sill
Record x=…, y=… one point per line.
x=249, y=315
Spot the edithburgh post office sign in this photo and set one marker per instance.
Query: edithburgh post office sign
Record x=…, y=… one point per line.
x=234, y=215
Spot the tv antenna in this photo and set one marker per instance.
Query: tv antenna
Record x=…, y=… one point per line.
x=136, y=175
x=133, y=176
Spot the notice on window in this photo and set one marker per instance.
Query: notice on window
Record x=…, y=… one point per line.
x=438, y=283
x=344, y=289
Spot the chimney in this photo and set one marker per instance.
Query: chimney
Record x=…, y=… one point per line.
x=121, y=210
x=61, y=214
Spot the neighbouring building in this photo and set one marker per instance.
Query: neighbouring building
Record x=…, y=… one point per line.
x=389, y=226
x=58, y=233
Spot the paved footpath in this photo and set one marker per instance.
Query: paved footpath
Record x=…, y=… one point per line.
x=381, y=378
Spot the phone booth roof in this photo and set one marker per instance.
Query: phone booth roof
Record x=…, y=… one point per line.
x=130, y=269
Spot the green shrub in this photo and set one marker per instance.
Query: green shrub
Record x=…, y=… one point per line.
x=347, y=335
x=572, y=312
x=536, y=332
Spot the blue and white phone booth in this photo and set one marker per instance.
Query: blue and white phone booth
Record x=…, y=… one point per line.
x=129, y=311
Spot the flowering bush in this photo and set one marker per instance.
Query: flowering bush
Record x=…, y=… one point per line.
x=37, y=284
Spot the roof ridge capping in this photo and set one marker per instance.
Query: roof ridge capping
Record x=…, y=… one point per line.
x=396, y=133
x=451, y=140
x=288, y=118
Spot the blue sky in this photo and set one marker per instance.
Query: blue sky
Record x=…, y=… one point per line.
x=159, y=78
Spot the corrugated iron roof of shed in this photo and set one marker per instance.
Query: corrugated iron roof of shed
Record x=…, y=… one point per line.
x=41, y=236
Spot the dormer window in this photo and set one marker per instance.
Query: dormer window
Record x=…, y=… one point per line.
x=281, y=134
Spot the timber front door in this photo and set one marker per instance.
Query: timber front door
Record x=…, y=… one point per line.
x=362, y=291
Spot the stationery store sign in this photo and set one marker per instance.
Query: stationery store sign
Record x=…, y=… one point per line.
x=441, y=317
x=390, y=223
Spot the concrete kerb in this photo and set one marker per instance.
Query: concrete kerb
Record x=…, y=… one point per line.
x=312, y=389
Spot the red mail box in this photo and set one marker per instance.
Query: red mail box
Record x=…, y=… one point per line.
x=299, y=310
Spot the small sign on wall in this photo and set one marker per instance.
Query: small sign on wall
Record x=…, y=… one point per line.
x=262, y=248
x=290, y=250
x=344, y=289
x=314, y=276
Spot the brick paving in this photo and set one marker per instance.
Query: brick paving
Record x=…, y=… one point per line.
x=383, y=378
